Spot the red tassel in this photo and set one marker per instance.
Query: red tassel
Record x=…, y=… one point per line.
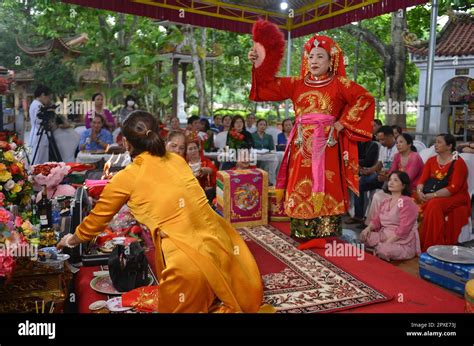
x=314, y=243
x=272, y=40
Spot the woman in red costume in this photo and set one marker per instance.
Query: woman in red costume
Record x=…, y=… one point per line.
x=332, y=114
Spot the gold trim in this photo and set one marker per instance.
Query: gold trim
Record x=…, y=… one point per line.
x=346, y=82
x=280, y=218
x=234, y=12
x=317, y=199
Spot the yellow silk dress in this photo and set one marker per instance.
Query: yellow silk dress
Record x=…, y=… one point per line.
x=203, y=264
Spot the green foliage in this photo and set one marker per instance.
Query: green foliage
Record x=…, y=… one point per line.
x=128, y=48
x=10, y=55
x=411, y=119
x=231, y=74
x=56, y=74
x=370, y=73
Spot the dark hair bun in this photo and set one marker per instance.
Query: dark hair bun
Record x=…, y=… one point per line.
x=141, y=130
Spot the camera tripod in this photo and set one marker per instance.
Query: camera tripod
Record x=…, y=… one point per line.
x=54, y=154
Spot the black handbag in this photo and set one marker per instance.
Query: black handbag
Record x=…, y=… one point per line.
x=128, y=267
x=432, y=185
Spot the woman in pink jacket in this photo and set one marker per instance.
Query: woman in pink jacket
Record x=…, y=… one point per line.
x=393, y=231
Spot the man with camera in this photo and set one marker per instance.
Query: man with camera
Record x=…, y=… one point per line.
x=39, y=146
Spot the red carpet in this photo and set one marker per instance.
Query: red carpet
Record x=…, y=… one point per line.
x=302, y=281
x=411, y=294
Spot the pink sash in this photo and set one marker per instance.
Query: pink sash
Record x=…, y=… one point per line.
x=318, y=150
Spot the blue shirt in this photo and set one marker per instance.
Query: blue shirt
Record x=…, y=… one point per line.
x=104, y=136
x=281, y=139
x=281, y=142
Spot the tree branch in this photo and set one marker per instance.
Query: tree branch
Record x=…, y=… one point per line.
x=370, y=38
x=131, y=32
x=121, y=32
x=102, y=23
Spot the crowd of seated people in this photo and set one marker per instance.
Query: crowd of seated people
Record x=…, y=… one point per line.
x=402, y=220
x=403, y=217
x=196, y=127
x=414, y=205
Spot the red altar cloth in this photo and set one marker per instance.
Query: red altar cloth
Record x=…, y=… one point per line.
x=84, y=292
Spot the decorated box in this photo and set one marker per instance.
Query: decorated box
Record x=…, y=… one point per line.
x=453, y=276
x=242, y=197
x=276, y=210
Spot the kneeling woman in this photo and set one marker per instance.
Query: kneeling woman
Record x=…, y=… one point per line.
x=202, y=262
x=393, y=231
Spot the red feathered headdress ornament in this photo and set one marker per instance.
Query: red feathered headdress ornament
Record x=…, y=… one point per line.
x=331, y=47
x=270, y=46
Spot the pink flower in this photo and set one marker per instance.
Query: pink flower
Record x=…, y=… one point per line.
x=55, y=173
x=7, y=263
x=9, y=185
x=18, y=221
x=2, y=197
x=5, y=215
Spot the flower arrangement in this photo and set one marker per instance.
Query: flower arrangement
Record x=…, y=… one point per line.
x=51, y=174
x=10, y=141
x=15, y=187
x=12, y=238
x=7, y=264
x=17, y=230
x=235, y=139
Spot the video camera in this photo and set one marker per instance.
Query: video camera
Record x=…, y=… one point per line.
x=47, y=114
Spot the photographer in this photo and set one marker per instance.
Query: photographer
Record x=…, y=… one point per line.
x=42, y=99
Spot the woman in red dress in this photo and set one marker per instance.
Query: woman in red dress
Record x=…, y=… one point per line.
x=445, y=211
x=332, y=114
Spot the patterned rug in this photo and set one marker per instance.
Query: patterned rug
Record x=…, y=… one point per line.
x=302, y=281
